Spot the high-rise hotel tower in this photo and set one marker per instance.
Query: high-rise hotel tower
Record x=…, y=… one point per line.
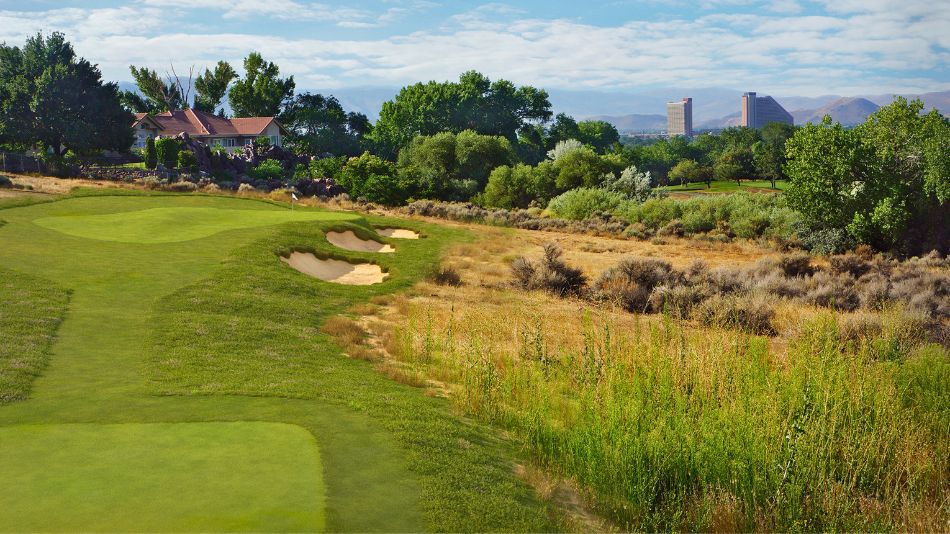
x=759, y=110
x=679, y=118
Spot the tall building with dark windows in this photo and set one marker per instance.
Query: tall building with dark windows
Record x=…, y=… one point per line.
x=679, y=118
x=757, y=111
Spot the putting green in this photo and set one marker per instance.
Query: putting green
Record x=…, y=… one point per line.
x=173, y=225
x=160, y=477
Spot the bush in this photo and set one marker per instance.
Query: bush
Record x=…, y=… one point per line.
x=371, y=178
x=551, y=274
x=751, y=313
x=181, y=187
x=631, y=283
x=246, y=188
x=823, y=240
x=151, y=158
x=830, y=291
x=850, y=264
x=166, y=150
x=267, y=170
x=187, y=160
x=5, y=182
x=582, y=203
x=446, y=276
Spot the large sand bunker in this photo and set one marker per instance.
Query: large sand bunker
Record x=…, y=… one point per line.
x=350, y=241
x=336, y=271
x=398, y=233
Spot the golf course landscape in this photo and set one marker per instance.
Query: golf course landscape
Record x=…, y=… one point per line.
x=163, y=370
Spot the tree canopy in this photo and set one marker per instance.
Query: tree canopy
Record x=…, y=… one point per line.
x=473, y=103
x=883, y=180
x=51, y=97
x=320, y=125
x=262, y=92
x=212, y=85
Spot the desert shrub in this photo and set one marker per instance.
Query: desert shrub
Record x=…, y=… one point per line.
x=583, y=202
x=187, y=160
x=5, y=182
x=246, y=188
x=796, y=264
x=775, y=283
x=181, y=187
x=673, y=228
x=166, y=150
x=678, y=300
x=832, y=291
x=633, y=280
x=151, y=182
x=749, y=312
x=873, y=290
x=551, y=274
x=923, y=292
x=823, y=240
x=211, y=188
x=851, y=264
x=446, y=276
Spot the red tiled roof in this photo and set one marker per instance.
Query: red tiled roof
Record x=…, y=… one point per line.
x=201, y=124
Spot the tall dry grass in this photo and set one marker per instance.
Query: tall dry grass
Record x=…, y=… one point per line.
x=672, y=428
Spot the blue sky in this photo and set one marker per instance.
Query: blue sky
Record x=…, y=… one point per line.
x=798, y=47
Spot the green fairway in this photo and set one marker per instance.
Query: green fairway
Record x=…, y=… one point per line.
x=179, y=311
x=160, y=478
x=727, y=186
x=168, y=225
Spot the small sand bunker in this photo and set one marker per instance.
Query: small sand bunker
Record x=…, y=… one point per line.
x=398, y=233
x=350, y=241
x=336, y=271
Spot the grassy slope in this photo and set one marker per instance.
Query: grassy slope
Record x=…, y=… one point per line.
x=383, y=444
x=256, y=297
x=32, y=310
x=237, y=476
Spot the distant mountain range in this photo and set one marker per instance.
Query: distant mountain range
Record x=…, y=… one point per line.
x=713, y=107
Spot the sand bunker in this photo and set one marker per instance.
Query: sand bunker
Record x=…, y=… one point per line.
x=398, y=233
x=336, y=271
x=350, y=241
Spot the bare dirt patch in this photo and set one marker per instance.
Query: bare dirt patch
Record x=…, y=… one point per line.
x=336, y=271
x=350, y=241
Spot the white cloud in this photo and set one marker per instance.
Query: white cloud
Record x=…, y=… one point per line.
x=856, y=48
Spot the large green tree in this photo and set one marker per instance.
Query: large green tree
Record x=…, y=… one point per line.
x=51, y=97
x=601, y=135
x=453, y=167
x=473, y=103
x=320, y=125
x=886, y=181
x=262, y=92
x=212, y=85
x=157, y=94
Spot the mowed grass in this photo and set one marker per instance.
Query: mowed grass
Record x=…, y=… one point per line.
x=169, y=477
x=167, y=225
x=727, y=186
x=216, y=328
x=200, y=346
x=31, y=311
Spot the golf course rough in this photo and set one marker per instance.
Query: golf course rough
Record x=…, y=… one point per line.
x=185, y=339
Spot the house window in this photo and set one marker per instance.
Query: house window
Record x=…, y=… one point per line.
x=248, y=141
x=273, y=140
x=225, y=142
